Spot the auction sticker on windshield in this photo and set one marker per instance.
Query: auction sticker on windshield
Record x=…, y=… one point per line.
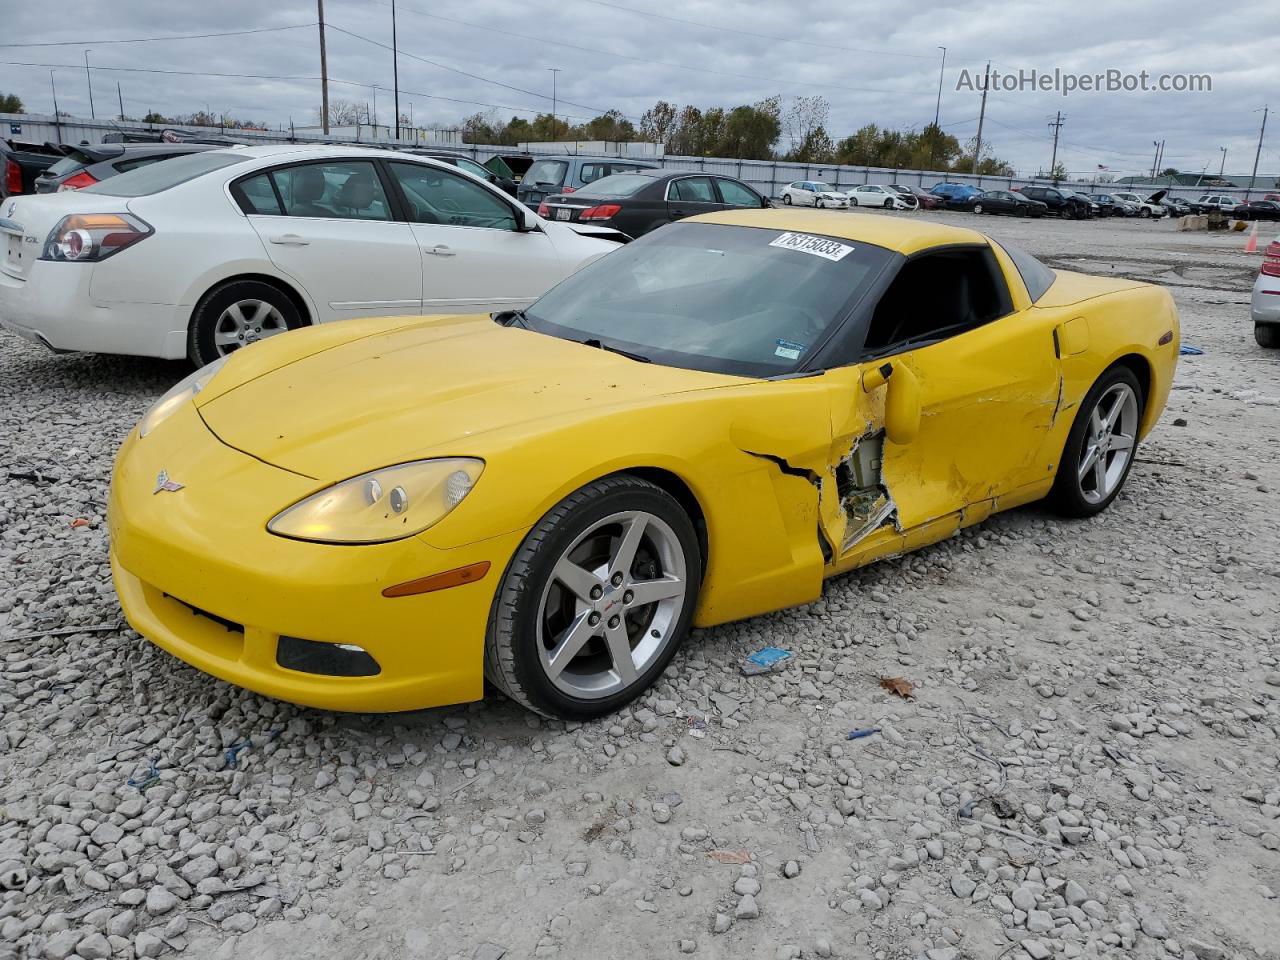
x=808, y=243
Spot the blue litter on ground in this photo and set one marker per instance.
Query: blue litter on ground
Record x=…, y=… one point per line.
x=152, y=776
x=859, y=734
x=1186, y=350
x=765, y=660
x=234, y=751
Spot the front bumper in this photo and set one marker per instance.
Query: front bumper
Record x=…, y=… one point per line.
x=198, y=574
x=53, y=306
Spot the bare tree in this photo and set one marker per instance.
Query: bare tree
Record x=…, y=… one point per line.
x=345, y=113
x=804, y=117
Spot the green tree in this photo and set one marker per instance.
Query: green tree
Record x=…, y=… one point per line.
x=154, y=117
x=11, y=103
x=610, y=125
x=816, y=147
x=659, y=122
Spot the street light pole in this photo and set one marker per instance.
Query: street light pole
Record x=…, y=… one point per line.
x=89, y=81
x=395, y=66
x=57, y=120
x=1257, y=156
x=554, y=71
x=982, y=116
x=937, y=110
x=324, y=72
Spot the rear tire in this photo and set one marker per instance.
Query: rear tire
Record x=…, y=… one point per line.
x=1267, y=335
x=570, y=608
x=1112, y=408
x=236, y=314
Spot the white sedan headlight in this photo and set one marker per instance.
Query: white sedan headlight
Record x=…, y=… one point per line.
x=177, y=395
x=382, y=505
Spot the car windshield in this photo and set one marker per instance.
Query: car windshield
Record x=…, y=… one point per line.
x=618, y=185
x=155, y=177
x=824, y=187
x=546, y=171
x=703, y=296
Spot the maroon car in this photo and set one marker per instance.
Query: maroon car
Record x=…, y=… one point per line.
x=924, y=199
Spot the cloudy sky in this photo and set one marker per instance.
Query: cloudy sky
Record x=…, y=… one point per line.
x=871, y=65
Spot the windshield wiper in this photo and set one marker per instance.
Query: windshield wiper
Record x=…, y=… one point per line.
x=599, y=345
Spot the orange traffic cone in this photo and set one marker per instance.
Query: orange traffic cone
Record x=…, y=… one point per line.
x=1251, y=245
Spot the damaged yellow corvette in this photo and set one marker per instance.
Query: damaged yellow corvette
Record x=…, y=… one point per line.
x=377, y=515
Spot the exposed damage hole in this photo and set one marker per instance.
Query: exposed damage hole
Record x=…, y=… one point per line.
x=864, y=498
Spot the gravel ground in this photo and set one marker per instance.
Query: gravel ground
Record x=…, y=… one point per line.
x=1090, y=766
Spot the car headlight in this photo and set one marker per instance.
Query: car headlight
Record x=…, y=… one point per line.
x=182, y=391
x=381, y=505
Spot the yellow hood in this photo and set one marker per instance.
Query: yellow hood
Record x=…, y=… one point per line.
x=415, y=388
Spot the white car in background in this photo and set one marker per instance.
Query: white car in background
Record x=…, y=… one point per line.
x=813, y=193
x=1266, y=298
x=876, y=195
x=203, y=254
x=1218, y=201
x=1150, y=207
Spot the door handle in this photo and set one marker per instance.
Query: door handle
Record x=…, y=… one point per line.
x=441, y=250
x=289, y=240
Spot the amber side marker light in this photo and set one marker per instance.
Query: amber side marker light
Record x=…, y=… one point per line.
x=471, y=573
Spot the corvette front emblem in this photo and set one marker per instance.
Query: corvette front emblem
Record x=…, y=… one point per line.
x=164, y=483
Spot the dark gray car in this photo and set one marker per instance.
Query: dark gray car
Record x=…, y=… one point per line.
x=85, y=165
x=565, y=174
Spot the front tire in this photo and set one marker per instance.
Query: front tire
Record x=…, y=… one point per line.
x=1101, y=446
x=977, y=208
x=1144, y=213
x=786, y=198
x=237, y=314
x=817, y=203
x=1267, y=335
x=888, y=204
x=596, y=600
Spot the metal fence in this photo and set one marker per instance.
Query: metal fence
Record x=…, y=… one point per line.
x=767, y=176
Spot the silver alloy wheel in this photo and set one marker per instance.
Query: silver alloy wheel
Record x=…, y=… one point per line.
x=611, y=605
x=1108, y=443
x=246, y=322
x=977, y=208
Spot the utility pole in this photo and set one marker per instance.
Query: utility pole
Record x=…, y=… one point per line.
x=1155, y=158
x=1057, y=127
x=89, y=81
x=937, y=110
x=554, y=71
x=1257, y=156
x=120, y=98
x=57, y=120
x=1159, y=162
x=395, y=66
x=1222, y=167
x=374, y=118
x=324, y=72
x=982, y=115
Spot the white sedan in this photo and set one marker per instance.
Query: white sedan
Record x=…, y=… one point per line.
x=813, y=193
x=875, y=195
x=1266, y=298
x=203, y=254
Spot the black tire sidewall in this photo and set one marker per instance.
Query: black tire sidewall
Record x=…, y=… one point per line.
x=1067, y=494
x=542, y=557
x=200, y=346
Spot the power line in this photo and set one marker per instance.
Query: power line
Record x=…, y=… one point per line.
x=597, y=52
x=759, y=36
x=300, y=79
x=185, y=36
x=473, y=76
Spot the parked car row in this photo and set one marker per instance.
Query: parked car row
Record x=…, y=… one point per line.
x=21, y=163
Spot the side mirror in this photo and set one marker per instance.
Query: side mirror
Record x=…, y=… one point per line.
x=526, y=221
x=901, y=402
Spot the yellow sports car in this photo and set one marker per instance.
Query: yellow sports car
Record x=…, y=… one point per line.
x=377, y=515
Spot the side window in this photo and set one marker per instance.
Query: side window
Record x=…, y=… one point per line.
x=474, y=168
x=693, y=188
x=348, y=190
x=592, y=172
x=438, y=196
x=255, y=195
x=936, y=296
x=736, y=194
